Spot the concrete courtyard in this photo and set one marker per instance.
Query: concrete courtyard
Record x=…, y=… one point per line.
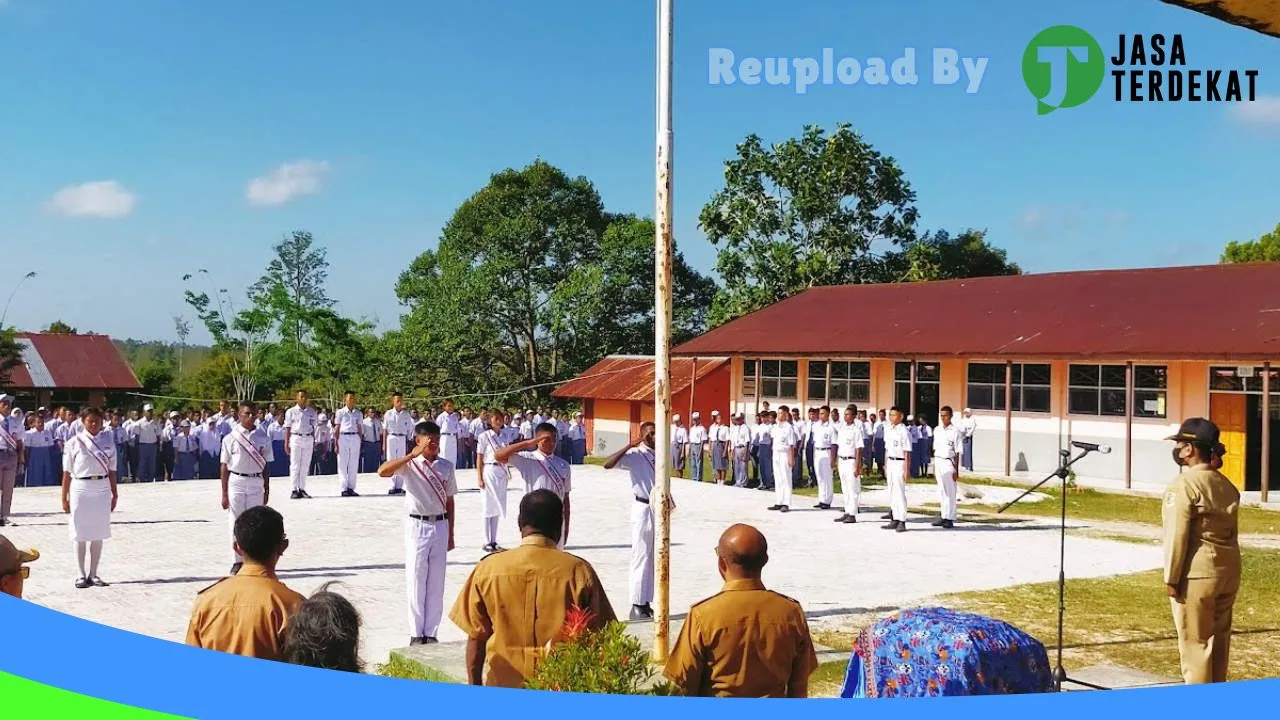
x=172, y=539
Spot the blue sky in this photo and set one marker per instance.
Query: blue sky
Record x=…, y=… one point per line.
x=368, y=123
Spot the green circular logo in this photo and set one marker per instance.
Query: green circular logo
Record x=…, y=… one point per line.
x=1063, y=67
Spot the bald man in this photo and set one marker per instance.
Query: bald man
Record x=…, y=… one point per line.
x=746, y=641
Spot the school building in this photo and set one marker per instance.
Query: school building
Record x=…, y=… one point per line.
x=68, y=369
x=617, y=395
x=1116, y=357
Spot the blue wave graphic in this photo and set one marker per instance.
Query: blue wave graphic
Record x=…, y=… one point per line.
x=83, y=657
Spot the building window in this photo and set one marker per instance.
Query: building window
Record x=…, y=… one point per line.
x=1150, y=391
x=1096, y=390
x=928, y=385
x=1031, y=387
x=850, y=383
x=778, y=379
x=1241, y=379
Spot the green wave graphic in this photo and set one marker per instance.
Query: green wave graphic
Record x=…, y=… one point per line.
x=29, y=699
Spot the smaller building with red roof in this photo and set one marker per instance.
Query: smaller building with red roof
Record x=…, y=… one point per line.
x=68, y=369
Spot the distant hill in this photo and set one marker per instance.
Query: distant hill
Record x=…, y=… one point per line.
x=137, y=352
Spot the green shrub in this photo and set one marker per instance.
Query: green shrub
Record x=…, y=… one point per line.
x=606, y=661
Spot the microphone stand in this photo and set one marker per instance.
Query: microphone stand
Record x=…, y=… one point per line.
x=1064, y=465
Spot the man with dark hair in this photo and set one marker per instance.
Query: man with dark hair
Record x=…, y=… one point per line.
x=537, y=463
x=245, y=469
x=348, y=421
x=10, y=457
x=431, y=485
x=637, y=457
x=514, y=602
x=398, y=423
x=245, y=613
x=897, y=464
x=747, y=641
x=299, y=443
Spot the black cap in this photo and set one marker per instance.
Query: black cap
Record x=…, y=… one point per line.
x=1198, y=431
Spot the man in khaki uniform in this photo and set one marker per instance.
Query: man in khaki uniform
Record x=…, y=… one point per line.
x=747, y=641
x=514, y=602
x=245, y=613
x=1202, y=552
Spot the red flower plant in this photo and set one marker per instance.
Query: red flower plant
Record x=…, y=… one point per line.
x=576, y=621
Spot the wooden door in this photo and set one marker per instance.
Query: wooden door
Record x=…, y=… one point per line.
x=1230, y=413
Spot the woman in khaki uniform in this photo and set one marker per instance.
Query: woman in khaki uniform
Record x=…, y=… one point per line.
x=1202, y=552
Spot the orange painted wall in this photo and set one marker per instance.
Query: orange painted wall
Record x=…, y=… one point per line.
x=711, y=393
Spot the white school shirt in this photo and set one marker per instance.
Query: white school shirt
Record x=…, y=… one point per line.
x=420, y=479
x=849, y=439
x=34, y=438
x=783, y=436
x=740, y=436
x=526, y=430
x=719, y=433
x=968, y=425
x=371, y=430
x=897, y=442
x=147, y=432
x=185, y=443
x=301, y=421
x=763, y=434
x=226, y=423
x=348, y=421
x=946, y=442
x=86, y=456
x=803, y=427
x=679, y=435
x=238, y=451
x=448, y=424
x=63, y=434
x=577, y=431
x=697, y=435
x=640, y=463
x=913, y=432
x=119, y=433
x=464, y=428
x=542, y=472
x=210, y=441
x=275, y=431
x=489, y=442
x=824, y=435
x=877, y=429
x=398, y=423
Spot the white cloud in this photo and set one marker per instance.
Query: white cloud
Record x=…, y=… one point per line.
x=1032, y=217
x=1262, y=112
x=99, y=199
x=287, y=182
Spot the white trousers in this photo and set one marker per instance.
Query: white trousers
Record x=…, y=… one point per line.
x=895, y=478
x=641, y=553
x=495, y=490
x=449, y=448
x=426, y=547
x=822, y=467
x=395, y=451
x=243, y=493
x=851, y=484
x=348, y=460
x=782, y=478
x=300, y=449
x=946, y=474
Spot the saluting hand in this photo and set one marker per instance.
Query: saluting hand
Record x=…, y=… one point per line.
x=416, y=452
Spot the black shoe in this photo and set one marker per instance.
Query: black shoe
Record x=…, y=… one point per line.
x=938, y=523
x=235, y=568
x=948, y=524
x=3, y=522
x=887, y=516
x=840, y=518
x=349, y=493
x=638, y=614
x=850, y=519
x=893, y=525
x=784, y=508
x=430, y=640
x=304, y=494
x=902, y=527
x=774, y=507
x=83, y=583
x=417, y=641
x=295, y=495
x=97, y=581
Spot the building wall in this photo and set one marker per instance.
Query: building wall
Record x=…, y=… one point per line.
x=612, y=423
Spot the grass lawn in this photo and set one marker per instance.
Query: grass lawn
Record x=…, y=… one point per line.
x=1125, y=620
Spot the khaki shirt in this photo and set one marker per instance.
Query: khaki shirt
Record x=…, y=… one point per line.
x=516, y=599
x=243, y=614
x=1201, y=530
x=744, y=642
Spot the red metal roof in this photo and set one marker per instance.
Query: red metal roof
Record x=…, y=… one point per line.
x=56, y=360
x=628, y=377
x=1213, y=312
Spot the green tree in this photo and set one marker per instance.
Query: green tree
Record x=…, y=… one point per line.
x=1264, y=249
x=57, y=326
x=803, y=213
x=293, y=284
x=10, y=354
x=241, y=336
x=156, y=377
x=941, y=256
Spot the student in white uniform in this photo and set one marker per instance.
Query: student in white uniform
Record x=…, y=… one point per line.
x=947, y=442
x=10, y=456
x=850, y=444
x=348, y=421
x=147, y=432
x=740, y=442
x=428, y=531
x=89, y=493
x=783, y=442
x=448, y=424
x=968, y=426
x=718, y=436
x=897, y=459
x=537, y=463
x=186, y=452
x=679, y=445
x=823, y=435
x=398, y=424
x=639, y=460
x=493, y=477
x=696, y=446
x=246, y=470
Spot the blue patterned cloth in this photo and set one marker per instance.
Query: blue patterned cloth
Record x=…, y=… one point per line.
x=934, y=651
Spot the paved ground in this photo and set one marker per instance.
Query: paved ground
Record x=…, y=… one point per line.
x=170, y=540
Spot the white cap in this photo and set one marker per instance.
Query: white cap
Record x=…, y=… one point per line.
x=697, y=414
x=173, y=414
x=147, y=407
x=676, y=416
x=910, y=417
x=715, y=413
x=185, y=423
x=6, y=399
x=968, y=410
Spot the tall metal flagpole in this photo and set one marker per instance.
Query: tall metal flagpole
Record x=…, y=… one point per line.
x=662, y=339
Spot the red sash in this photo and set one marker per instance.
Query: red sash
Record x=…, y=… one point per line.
x=434, y=481
x=248, y=447
x=92, y=449
x=553, y=477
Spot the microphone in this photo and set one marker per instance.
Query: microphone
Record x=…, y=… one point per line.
x=1092, y=447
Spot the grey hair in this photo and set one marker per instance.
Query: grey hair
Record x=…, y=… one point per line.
x=324, y=633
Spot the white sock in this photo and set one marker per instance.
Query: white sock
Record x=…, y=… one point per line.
x=95, y=555
x=81, y=547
